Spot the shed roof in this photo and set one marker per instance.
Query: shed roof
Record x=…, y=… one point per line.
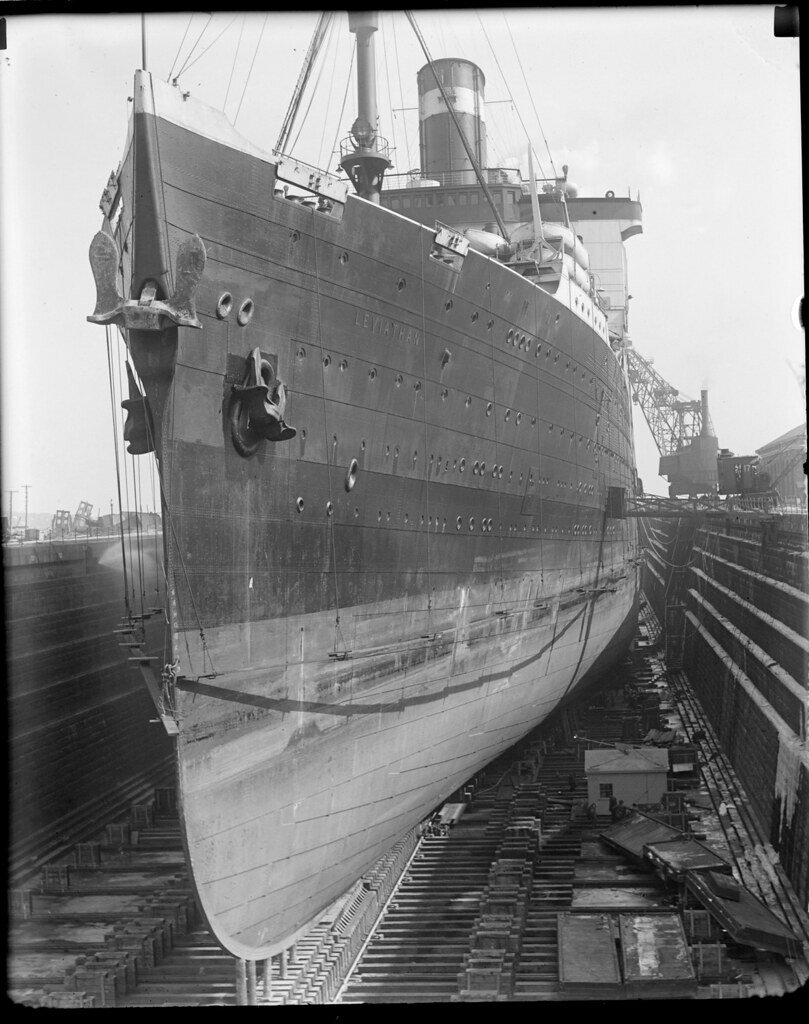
x=634, y=759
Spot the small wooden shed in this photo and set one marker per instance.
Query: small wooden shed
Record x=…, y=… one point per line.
x=636, y=775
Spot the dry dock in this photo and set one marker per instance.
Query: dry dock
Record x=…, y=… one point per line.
x=514, y=891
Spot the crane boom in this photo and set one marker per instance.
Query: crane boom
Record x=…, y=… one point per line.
x=673, y=419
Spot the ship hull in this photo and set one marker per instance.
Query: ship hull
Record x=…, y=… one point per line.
x=367, y=613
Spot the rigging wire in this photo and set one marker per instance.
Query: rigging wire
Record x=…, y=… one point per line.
x=117, y=469
x=252, y=62
x=177, y=54
x=120, y=424
x=328, y=105
x=390, y=94
x=191, y=51
x=401, y=98
x=235, y=59
x=451, y=110
x=212, y=43
x=311, y=55
x=531, y=98
x=206, y=654
x=338, y=132
x=508, y=90
x=314, y=91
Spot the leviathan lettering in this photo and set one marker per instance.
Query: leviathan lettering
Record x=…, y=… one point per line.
x=389, y=328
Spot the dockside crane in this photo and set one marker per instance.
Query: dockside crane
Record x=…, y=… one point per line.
x=673, y=419
x=681, y=428
x=690, y=457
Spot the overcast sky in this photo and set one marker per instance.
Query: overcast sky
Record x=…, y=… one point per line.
x=696, y=109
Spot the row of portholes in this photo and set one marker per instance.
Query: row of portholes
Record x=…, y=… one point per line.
x=224, y=307
x=486, y=525
x=398, y=380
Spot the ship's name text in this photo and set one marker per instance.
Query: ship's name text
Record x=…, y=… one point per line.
x=389, y=328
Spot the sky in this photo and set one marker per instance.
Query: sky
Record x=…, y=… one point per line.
x=696, y=109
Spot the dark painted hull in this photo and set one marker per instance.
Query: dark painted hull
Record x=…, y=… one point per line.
x=349, y=656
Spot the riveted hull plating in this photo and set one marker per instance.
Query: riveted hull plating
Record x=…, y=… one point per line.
x=349, y=654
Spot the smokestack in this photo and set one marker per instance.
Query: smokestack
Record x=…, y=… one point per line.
x=442, y=151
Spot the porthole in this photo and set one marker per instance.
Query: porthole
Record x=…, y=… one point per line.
x=329, y=508
x=510, y=337
x=406, y=519
x=401, y=284
x=474, y=318
x=471, y=522
x=301, y=353
x=398, y=380
x=476, y=468
x=379, y=516
x=417, y=386
x=508, y=415
x=343, y=365
x=458, y=523
x=245, y=314
x=494, y=472
x=462, y=465
x=444, y=393
x=303, y=433
x=448, y=305
x=295, y=236
x=489, y=324
x=363, y=445
x=327, y=361
x=500, y=473
x=489, y=409
x=468, y=401
x=351, y=475
x=518, y=419
x=556, y=321
x=344, y=258
x=372, y=374
x=224, y=305
x=299, y=504
x=356, y=512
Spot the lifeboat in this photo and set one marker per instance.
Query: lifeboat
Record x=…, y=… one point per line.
x=560, y=236
x=485, y=242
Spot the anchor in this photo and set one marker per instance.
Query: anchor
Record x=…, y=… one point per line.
x=257, y=410
x=138, y=432
x=146, y=313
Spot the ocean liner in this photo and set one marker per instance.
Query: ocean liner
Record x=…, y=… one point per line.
x=393, y=433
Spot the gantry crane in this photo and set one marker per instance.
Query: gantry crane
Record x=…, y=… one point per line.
x=681, y=428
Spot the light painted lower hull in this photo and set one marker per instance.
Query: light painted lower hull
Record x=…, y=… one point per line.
x=284, y=811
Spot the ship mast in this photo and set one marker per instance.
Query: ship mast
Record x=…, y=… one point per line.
x=364, y=154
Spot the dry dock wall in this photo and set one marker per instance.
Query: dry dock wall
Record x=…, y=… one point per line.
x=732, y=594
x=79, y=716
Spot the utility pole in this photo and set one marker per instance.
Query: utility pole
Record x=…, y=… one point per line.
x=26, y=488
x=10, y=514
